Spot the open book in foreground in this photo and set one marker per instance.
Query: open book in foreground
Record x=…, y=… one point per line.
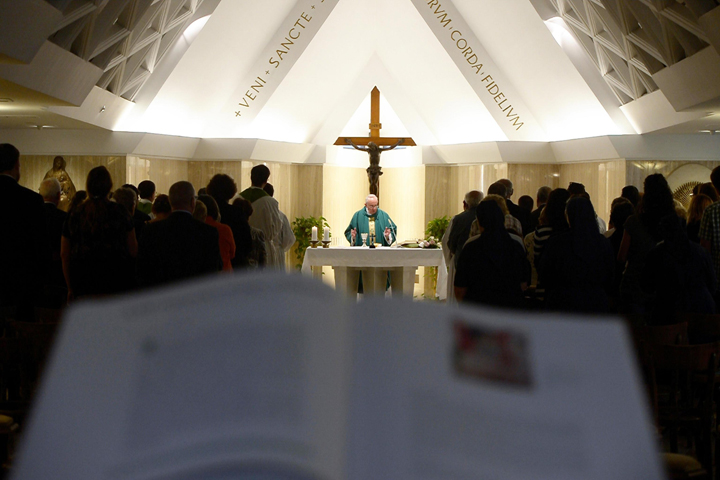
x=278, y=377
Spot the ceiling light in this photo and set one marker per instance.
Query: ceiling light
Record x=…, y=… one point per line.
x=6, y=100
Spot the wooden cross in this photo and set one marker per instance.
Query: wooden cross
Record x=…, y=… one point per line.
x=374, y=145
x=375, y=127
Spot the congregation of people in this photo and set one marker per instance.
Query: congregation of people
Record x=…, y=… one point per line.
x=116, y=240
x=655, y=258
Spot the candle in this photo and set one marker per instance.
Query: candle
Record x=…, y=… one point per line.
x=314, y=234
x=326, y=234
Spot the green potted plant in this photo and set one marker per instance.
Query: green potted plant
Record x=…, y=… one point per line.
x=302, y=228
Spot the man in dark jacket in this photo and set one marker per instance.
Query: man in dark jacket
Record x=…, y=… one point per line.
x=179, y=247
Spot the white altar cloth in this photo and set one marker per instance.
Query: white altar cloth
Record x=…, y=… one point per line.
x=348, y=262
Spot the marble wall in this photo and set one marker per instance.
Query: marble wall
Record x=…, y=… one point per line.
x=164, y=172
x=34, y=167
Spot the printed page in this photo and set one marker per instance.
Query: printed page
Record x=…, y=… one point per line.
x=441, y=394
x=242, y=376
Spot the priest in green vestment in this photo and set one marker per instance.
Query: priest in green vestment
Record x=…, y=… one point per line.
x=371, y=220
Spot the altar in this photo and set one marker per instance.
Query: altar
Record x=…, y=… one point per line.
x=375, y=263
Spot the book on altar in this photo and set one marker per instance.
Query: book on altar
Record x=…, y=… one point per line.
x=280, y=377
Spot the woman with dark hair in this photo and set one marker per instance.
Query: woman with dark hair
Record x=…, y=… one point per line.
x=222, y=188
x=678, y=274
x=492, y=269
x=98, y=242
x=641, y=234
x=80, y=196
x=577, y=266
x=227, y=242
x=709, y=190
x=161, y=208
x=698, y=204
x=552, y=221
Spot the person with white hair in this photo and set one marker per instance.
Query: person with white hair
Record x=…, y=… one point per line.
x=51, y=190
x=374, y=222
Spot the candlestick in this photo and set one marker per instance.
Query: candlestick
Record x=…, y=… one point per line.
x=313, y=238
x=326, y=234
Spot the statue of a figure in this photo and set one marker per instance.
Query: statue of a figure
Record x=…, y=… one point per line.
x=374, y=170
x=67, y=188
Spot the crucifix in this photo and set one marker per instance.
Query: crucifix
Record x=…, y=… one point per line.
x=374, y=145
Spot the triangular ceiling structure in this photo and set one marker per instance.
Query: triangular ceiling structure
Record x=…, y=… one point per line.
x=286, y=71
x=452, y=71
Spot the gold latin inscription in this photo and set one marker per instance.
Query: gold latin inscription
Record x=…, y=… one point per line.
x=474, y=62
x=283, y=49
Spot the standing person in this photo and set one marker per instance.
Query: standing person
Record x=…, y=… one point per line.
x=222, y=188
x=22, y=242
x=698, y=204
x=577, y=265
x=678, y=274
x=180, y=247
x=266, y=215
x=98, y=242
x=542, y=197
x=139, y=217
x=227, y=242
x=456, y=235
x=54, y=220
x=631, y=193
x=552, y=222
x=710, y=232
x=516, y=211
x=492, y=268
x=373, y=221
x=257, y=258
x=287, y=237
x=146, y=192
x=641, y=234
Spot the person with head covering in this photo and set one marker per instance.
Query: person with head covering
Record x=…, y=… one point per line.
x=577, y=265
x=492, y=269
x=371, y=220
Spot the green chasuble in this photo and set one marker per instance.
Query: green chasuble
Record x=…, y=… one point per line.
x=361, y=222
x=253, y=193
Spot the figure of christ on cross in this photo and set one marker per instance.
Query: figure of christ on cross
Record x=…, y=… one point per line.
x=374, y=145
x=374, y=170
